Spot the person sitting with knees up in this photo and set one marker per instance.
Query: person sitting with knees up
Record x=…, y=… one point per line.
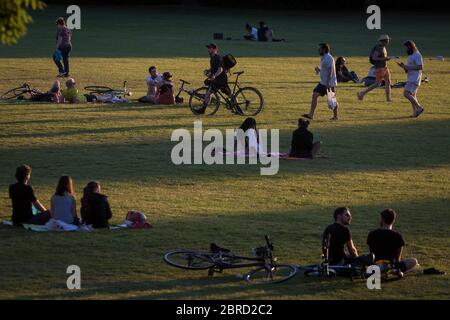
x=95, y=209
x=152, y=86
x=342, y=72
x=252, y=33
x=24, y=202
x=387, y=244
x=249, y=141
x=303, y=145
x=165, y=90
x=337, y=236
x=70, y=94
x=63, y=204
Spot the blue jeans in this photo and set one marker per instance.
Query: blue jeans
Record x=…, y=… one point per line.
x=65, y=51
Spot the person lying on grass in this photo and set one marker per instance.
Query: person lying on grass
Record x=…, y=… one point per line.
x=23, y=200
x=95, y=209
x=53, y=95
x=152, y=86
x=63, y=204
x=302, y=144
x=70, y=94
x=387, y=244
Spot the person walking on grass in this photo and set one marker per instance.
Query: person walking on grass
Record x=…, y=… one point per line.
x=413, y=69
x=379, y=58
x=328, y=80
x=25, y=206
x=63, y=45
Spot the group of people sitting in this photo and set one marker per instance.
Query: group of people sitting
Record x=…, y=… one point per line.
x=27, y=209
x=263, y=33
x=159, y=88
x=385, y=244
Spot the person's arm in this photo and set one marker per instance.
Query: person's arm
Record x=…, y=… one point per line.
x=218, y=73
x=38, y=205
x=74, y=208
x=58, y=39
x=108, y=210
x=398, y=254
x=376, y=57
x=52, y=208
x=352, y=249
x=329, y=71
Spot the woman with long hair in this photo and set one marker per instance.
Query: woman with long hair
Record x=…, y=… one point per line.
x=95, y=208
x=63, y=204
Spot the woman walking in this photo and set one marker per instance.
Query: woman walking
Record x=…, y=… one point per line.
x=63, y=47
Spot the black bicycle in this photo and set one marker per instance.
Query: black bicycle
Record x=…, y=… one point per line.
x=104, y=90
x=244, y=101
x=23, y=92
x=267, y=270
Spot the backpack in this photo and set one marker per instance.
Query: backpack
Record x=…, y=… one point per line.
x=371, y=54
x=228, y=62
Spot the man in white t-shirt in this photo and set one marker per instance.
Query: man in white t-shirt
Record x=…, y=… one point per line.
x=328, y=80
x=152, y=81
x=413, y=68
x=252, y=33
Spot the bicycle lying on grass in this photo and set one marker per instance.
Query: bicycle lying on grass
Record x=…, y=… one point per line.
x=245, y=101
x=107, y=94
x=267, y=270
x=23, y=92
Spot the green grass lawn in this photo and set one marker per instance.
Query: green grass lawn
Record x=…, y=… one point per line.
x=378, y=158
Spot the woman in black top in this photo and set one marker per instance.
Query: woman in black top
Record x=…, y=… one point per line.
x=303, y=145
x=95, y=209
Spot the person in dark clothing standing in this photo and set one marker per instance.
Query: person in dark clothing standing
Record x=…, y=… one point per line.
x=23, y=199
x=337, y=236
x=95, y=209
x=387, y=244
x=303, y=145
x=63, y=44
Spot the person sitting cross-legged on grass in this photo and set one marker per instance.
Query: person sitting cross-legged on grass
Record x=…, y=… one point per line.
x=387, y=244
x=165, y=90
x=23, y=200
x=251, y=139
x=63, y=204
x=337, y=236
x=95, y=209
x=152, y=86
x=252, y=33
x=342, y=72
x=70, y=94
x=302, y=144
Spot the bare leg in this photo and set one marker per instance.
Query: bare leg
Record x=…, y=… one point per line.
x=335, y=112
x=315, y=97
x=363, y=93
x=388, y=90
x=316, y=148
x=414, y=102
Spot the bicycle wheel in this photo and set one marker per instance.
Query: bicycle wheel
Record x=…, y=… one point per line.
x=316, y=271
x=14, y=93
x=99, y=89
x=248, y=101
x=278, y=273
x=189, y=260
x=197, y=102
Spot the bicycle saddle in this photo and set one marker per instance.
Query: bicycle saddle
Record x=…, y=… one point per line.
x=238, y=73
x=216, y=249
x=184, y=81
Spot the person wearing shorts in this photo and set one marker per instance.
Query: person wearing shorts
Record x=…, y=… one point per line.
x=379, y=57
x=328, y=80
x=413, y=69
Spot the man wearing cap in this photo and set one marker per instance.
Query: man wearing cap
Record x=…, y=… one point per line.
x=217, y=75
x=413, y=68
x=379, y=58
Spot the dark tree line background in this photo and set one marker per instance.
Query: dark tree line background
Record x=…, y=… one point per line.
x=407, y=5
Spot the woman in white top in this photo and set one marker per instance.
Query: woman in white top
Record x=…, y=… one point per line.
x=252, y=145
x=63, y=204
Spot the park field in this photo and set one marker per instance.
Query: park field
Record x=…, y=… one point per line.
x=378, y=157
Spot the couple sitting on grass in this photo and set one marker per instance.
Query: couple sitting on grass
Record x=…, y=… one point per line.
x=302, y=143
x=27, y=209
x=384, y=243
x=159, y=88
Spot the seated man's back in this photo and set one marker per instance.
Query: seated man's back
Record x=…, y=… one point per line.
x=385, y=244
x=336, y=237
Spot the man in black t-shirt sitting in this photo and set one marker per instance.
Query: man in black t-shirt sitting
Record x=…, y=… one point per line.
x=302, y=144
x=23, y=199
x=387, y=244
x=337, y=236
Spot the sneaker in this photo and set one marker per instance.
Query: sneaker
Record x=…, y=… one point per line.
x=419, y=113
x=61, y=74
x=360, y=96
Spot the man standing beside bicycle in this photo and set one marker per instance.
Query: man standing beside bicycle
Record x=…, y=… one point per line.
x=217, y=77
